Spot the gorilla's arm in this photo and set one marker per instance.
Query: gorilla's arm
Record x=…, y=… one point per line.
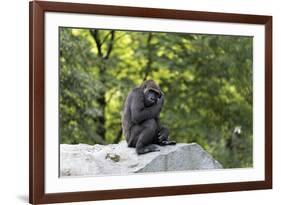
x=139, y=112
x=163, y=135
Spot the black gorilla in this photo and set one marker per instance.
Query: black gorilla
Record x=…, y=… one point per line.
x=140, y=120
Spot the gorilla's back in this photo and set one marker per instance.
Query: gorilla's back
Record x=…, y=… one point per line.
x=126, y=116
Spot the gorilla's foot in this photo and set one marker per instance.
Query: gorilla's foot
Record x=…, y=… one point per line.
x=146, y=149
x=166, y=142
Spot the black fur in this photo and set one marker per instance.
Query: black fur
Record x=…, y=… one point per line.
x=140, y=120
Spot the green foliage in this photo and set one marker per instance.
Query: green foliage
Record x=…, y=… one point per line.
x=207, y=81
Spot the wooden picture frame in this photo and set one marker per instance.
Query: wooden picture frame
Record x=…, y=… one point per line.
x=37, y=10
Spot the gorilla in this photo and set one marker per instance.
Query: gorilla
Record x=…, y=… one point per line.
x=140, y=119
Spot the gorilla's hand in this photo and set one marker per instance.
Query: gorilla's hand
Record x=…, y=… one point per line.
x=163, y=137
x=161, y=99
x=160, y=102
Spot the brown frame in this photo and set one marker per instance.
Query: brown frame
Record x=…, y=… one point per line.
x=36, y=101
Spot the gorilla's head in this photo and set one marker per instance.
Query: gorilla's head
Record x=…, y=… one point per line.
x=152, y=92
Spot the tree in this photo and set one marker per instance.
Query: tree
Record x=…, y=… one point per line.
x=103, y=56
x=207, y=81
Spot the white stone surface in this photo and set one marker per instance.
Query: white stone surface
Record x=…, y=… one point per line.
x=118, y=159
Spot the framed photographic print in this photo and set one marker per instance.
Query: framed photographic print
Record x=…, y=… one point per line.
x=138, y=102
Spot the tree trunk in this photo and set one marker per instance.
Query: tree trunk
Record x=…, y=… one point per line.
x=102, y=103
x=101, y=131
x=118, y=136
x=149, y=57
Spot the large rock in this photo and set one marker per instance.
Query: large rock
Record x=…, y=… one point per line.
x=118, y=159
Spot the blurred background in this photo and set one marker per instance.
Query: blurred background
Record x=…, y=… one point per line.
x=207, y=81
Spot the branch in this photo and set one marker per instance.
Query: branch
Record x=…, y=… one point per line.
x=110, y=46
x=149, y=57
x=95, y=35
x=105, y=38
x=119, y=37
